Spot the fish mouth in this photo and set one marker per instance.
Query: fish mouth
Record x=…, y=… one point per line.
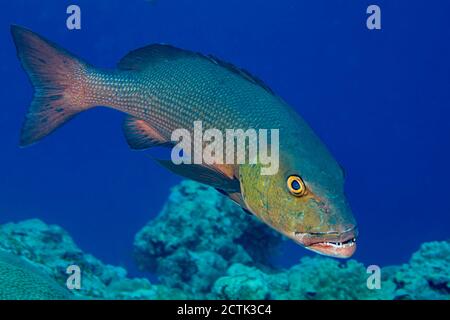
x=332, y=243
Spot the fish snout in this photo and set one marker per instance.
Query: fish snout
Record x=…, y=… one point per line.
x=339, y=243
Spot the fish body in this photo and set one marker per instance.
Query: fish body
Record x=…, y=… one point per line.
x=162, y=88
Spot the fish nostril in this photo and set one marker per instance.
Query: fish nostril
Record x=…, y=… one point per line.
x=325, y=208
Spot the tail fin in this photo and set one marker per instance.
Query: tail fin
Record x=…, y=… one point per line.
x=57, y=77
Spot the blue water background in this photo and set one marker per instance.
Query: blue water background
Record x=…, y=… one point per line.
x=379, y=99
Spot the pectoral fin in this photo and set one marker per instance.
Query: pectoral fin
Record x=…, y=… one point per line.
x=204, y=174
x=236, y=197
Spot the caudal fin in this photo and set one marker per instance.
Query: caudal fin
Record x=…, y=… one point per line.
x=57, y=77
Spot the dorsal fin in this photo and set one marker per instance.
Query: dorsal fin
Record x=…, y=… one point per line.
x=240, y=71
x=142, y=58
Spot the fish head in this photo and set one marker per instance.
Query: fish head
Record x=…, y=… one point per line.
x=304, y=200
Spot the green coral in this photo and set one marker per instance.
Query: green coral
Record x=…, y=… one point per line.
x=20, y=280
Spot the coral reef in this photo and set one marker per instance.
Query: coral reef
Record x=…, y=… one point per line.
x=315, y=278
x=248, y=283
x=198, y=235
x=427, y=275
x=203, y=246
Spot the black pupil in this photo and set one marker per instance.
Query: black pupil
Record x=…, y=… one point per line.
x=295, y=185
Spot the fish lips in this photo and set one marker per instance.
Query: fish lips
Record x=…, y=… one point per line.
x=332, y=243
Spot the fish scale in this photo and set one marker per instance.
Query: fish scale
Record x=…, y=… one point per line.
x=187, y=97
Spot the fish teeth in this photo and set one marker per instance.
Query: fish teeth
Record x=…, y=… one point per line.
x=347, y=244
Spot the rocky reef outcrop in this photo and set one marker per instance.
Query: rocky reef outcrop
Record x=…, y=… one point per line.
x=204, y=246
x=426, y=276
x=198, y=235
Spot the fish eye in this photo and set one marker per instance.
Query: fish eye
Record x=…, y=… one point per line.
x=296, y=186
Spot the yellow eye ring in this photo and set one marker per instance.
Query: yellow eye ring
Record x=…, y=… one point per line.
x=296, y=186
